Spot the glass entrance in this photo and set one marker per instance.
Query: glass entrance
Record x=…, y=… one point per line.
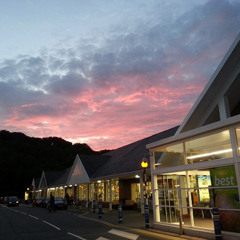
x=170, y=198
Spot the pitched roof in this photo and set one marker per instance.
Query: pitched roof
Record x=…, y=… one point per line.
x=122, y=161
x=127, y=159
x=35, y=182
x=59, y=178
x=222, y=90
x=92, y=163
x=84, y=167
x=52, y=176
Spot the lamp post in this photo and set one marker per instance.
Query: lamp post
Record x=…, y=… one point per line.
x=144, y=165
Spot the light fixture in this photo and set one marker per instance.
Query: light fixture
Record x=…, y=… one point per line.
x=209, y=154
x=144, y=164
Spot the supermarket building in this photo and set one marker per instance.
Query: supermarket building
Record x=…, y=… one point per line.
x=198, y=168
x=193, y=167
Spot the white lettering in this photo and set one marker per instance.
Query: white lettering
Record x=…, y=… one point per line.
x=232, y=183
x=227, y=181
x=217, y=182
x=224, y=181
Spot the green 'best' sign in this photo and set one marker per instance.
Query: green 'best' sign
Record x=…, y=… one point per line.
x=223, y=177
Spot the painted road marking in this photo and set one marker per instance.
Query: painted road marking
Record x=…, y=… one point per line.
x=33, y=217
x=76, y=236
x=23, y=213
x=52, y=225
x=124, y=234
x=102, y=238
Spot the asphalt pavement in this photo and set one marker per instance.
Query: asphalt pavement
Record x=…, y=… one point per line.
x=132, y=220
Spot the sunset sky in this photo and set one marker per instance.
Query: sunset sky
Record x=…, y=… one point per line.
x=108, y=72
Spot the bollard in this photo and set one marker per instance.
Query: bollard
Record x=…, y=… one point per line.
x=100, y=208
x=94, y=206
x=89, y=205
x=217, y=226
x=120, y=217
x=180, y=221
x=146, y=216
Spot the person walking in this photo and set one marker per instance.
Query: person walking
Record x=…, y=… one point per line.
x=52, y=203
x=67, y=198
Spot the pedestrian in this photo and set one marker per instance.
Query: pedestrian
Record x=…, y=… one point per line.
x=71, y=199
x=52, y=203
x=67, y=198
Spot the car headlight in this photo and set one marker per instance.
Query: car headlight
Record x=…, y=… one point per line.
x=17, y=201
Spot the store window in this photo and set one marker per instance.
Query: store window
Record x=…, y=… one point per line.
x=168, y=200
x=82, y=192
x=238, y=138
x=194, y=193
x=100, y=193
x=169, y=156
x=212, y=147
x=115, y=190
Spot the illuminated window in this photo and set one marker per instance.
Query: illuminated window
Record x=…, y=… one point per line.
x=169, y=156
x=212, y=147
x=238, y=138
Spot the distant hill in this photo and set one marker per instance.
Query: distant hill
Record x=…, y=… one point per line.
x=23, y=157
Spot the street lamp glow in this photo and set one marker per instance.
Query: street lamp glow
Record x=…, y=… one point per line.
x=144, y=164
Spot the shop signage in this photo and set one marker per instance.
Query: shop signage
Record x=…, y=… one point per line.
x=225, y=197
x=224, y=177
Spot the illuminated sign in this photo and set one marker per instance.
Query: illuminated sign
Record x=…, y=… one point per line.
x=224, y=177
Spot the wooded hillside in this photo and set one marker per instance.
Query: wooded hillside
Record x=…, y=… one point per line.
x=23, y=157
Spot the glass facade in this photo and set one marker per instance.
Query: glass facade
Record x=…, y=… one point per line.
x=207, y=148
x=169, y=156
x=115, y=190
x=212, y=147
x=238, y=139
x=82, y=192
x=191, y=194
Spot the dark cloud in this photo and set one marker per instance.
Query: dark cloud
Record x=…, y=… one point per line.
x=144, y=76
x=12, y=96
x=67, y=85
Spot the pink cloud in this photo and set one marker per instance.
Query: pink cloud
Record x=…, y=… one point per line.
x=136, y=84
x=109, y=117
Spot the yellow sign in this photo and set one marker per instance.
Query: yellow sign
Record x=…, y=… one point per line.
x=26, y=196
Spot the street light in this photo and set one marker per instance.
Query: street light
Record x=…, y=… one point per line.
x=144, y=165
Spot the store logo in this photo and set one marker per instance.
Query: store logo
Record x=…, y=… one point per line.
x=224, y=176
x=228, y=181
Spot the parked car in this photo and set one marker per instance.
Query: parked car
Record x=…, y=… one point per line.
x=39, y=202
x=5, y=200
x=60, y=203
x=13, y=201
